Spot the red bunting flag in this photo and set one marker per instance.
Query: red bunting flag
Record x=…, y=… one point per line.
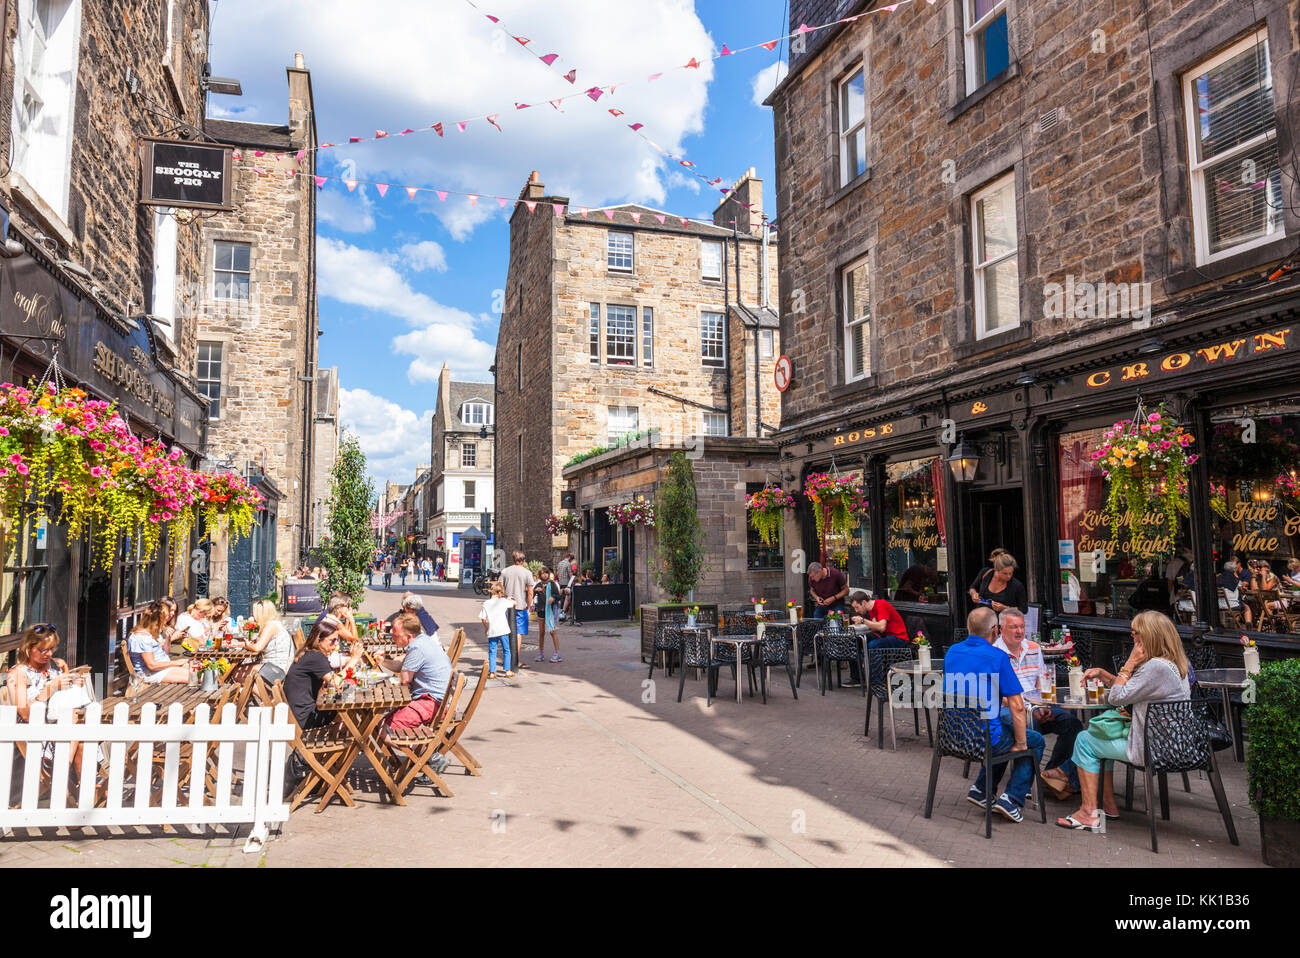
x=559, y=208
x=615, y=112
x=715, y=182
x=635, y=126
x=595, y=93
x=583, y=211
x=556, y=104
x=354, y=139
x=352, y=185
x=411, y=191
x=685, y=221
x=239, y=156
x=322, y=146
x=522, y=41
x=521, y=106
x=404, y=132
x=493, y=120
x=532, y=205
x=442, y=195
x=686, y=163
x=320, y=182
x=549, y=58
x=771, y=45
x=571, y=76
x=473, y=199
x=437, y=128
x=382, y=188
x=693, y=65
x=725, y=52
x=380, y=134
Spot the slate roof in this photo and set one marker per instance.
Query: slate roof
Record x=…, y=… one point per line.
x=462, y=393
x=240, y=133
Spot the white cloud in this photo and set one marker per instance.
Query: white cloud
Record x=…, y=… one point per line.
x=436, y=343
x=766, y=79
x=423, y=255
x=446, y=62
x=350, y=213
x=395, y=440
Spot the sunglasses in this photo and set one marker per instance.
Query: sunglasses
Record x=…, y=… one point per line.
x=43, y=628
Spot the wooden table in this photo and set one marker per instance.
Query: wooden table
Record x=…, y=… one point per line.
x=232, y=654
x=163, y=694
x=360, y=717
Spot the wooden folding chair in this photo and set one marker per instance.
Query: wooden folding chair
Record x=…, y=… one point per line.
x=299, y=640
x=122, y=680
x=457, y=644
x=323, y=750
x=412, y=749
x=459, y=723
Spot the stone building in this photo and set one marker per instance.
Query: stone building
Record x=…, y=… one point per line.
x=325, y=425
x=461, y=477
x=619, y=321
x=390, y=515
x=1003, y=227
x=88, y=271
x=257, y=337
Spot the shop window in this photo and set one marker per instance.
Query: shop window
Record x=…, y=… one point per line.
x=758, y=554
x=915, y=530
x=26, y=573
x=1103, y=565
x=1253, y=454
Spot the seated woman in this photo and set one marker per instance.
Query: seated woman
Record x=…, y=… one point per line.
x=169, y=623
x=1156, y=671
x=194, y=624
x=1000, y=591
x=312, y=669
x=220, y=618
x=1292, y=578
x=40, y=677
x=273, y=641
x=914, y=582
x=151, y=661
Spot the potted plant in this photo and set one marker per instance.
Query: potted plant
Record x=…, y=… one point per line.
x=838, y=504
x=559, y=525
x=637, y=511
x=691, y=613
x=759, y=602
x=767, y=512
x=1273, y=764
x=679, y=558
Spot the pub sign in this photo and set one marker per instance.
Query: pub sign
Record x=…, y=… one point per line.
x=180, y=173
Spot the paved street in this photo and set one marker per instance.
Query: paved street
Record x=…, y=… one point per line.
x=584, y=766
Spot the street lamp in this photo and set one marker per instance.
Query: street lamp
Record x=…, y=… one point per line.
x=964, y=463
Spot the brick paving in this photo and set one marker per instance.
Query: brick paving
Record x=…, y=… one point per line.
x=586, y=764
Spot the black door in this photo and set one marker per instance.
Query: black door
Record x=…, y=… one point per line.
x=996, y=519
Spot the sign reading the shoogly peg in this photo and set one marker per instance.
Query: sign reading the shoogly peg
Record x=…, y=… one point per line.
x=1238, y=349
x=181, y=173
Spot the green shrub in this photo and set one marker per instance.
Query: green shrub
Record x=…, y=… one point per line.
x=680, y=557
x=1274, y=759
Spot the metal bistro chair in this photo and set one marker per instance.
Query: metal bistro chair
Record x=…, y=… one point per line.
x=1176, y=740
x=774, y=649
x=881, y=661
x=666, y=643
x=697, y=654
x=964, y=733
x=840, y=645
x=805, y=634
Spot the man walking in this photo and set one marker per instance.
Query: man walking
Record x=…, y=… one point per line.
x=518, y=583
x=388, y=571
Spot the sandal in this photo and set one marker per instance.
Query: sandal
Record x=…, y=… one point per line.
x=556, y=657
x=1070, y=822
x=492, y=675
x=509, y=675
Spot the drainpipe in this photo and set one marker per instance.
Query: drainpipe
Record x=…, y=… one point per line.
x=726, y=323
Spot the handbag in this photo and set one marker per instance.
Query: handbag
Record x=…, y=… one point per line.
x=1112, y=724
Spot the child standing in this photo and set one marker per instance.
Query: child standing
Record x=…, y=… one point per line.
x=548, y=599
x=496, y=626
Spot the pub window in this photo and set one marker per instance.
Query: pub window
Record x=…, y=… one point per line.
x=26, y=572
x=1103, y=564
x=208, y=376
x=137, y=578
x=988, y=46
x=916, y=532
x=715, y=424
x=622, y=420
x=619, y=252
x=853, y=127
x=1232, y=148
x=713, y=339
x=711, y=259
x=231, y=270
x=620, y=335
x=593, y=332
x=469, y=493
x=758, y=554
x=995, y=260
x=857, y=321
x=164, y=271
x=1253, y=454
x=46, y=48
x=468, y=455
x=647, y=336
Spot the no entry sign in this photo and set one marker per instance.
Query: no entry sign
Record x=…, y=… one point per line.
x=784, y=373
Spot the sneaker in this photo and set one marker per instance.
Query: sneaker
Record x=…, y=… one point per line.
x=975, y=797
x=556, y=658
x=1008, y=809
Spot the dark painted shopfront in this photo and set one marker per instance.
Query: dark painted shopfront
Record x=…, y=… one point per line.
x=45, y=315
x=1232, y=378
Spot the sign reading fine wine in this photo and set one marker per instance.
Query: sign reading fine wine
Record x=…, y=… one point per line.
x=180, y=173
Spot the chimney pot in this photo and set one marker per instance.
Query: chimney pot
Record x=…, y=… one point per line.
x=298, y=62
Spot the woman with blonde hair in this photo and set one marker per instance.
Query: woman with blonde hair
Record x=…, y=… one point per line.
x=38, y=674
x=151, y=661
x=273, y=641
x=220, y=617
x=194, y=623
x=1156, y=671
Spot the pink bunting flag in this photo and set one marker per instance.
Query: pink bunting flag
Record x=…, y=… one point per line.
x=549, y=58
x=442, y=195
x=583, y=211
x=609, y=215
x=404, y=132
x=804, y=28
x=595, y=93
x=655, y=76
x=636, y=217
x=571, y=76
x=635, y=126
x=380, y=134
x=301, y=154
x=493, y=120
x=437, y=128
x=411, y=191
x=492, y=18
x=556, y=104
x=352, y=185
x=522, y=106
x=354, y=139
x=258, y=153
x=501, y=202
x=259, y=171
x=473, y=199
x=661, y=218
x=770, y=45
x=693, y=65
x=320, y=182
x=382, y=188
x=686, y=163
x=559, y=208
x=532, y=205
x=615, y=112
x=462, y=124
x=522, y=41
x=725, y=52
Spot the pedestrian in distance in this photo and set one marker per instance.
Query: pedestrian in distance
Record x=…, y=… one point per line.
x=518, y=583
x=547, y=603
x=496, y=626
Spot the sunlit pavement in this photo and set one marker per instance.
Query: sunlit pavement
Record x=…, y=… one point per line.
x=586, y=764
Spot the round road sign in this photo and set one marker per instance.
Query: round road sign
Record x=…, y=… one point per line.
x=784, y=373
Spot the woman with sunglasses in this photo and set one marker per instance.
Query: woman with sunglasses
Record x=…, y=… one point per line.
x=38, y=674
x=312, y=669
x=1156, y=671
x=151, y=661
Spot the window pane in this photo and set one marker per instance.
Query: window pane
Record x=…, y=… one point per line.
x=1234, y=101
x=715, y=424
x=759, y=555
x=712, y=339
x=620, y=250
x=859, y=363
x=594, y=331
x=712, y=260
x=995, y=216
x=765, y=344
x=242, y=252
x=982, y=8
x=620, y=335
x=1243, y=197
x=1001, y=295
x=915, y=529
x=622, y=420
x=647, y=336
x=993, y=51
x=852, y=102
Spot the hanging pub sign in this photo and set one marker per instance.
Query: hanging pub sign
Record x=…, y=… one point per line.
x=179, y=173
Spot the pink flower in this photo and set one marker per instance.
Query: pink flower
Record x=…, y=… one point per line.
x=3, y=431
x=1154, y=417
x=1156, y=427
x=16, y=459
x=22, y=470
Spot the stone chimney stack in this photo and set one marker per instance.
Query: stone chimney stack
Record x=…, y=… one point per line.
x=535, y=189
x=749, y=219
x=302, y=112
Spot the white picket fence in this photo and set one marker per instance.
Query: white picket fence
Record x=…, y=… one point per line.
x=150, y=795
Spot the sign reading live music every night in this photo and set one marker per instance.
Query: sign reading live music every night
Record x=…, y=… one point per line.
x=1207, y=357
x=179, y=173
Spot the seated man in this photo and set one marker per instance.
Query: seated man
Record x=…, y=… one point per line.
x=829, y=587
x=1027, y=659
x=1230, y=582
x=424, y=667
x=980, y=676
x=881, y=618
x=413, y=603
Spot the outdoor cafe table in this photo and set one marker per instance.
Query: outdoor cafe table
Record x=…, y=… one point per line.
x=361, y=717
x=1071, y=703
x=916, y=675
x=740, y=642
x=1226, y=681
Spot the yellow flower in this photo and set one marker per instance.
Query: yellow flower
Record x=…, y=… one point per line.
x=1142, y=445
x=1130, y=463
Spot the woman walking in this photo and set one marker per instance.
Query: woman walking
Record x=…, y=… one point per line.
x=547, y=602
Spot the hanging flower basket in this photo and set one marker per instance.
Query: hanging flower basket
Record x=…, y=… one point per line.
x=839, y=503
x=638, y=512
x=1219, y=500
x=562, y=523
x=1287, y=488
x=767, y=512
x=1145, y=463
x=109, y=482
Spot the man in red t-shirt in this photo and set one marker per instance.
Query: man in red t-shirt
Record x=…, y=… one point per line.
x=880, y=617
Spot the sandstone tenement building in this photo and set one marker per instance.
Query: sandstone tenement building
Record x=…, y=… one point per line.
x=462, y=452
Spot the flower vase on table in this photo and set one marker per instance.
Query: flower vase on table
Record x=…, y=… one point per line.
x=923, y=651
x=758, y=605
x=1076, y=677
x=1250, y=655
x=794, y=613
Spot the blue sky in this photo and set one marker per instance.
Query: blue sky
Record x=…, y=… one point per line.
x=406, y=285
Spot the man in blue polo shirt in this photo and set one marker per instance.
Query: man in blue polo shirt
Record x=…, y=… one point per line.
x=983, y=676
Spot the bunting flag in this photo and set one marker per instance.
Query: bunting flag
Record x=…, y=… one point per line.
x=442, y=195
x=661, y=218
x=352, y=185
x=571, y=76
x=531, y=204
x=354, y=139
x=725, y=52
x=501, y=202
x=609, y=214
x=559, y=208
x=473, y=199
x=635, y=126
x=437, y=128
x=493, y=120
x=549, y=58
x=380, y=134
x=636, y=217
x=462, y=124
x=411, y=191
x=320, y=182
x=382, y=188
x=521, y=106
x=595, y=93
